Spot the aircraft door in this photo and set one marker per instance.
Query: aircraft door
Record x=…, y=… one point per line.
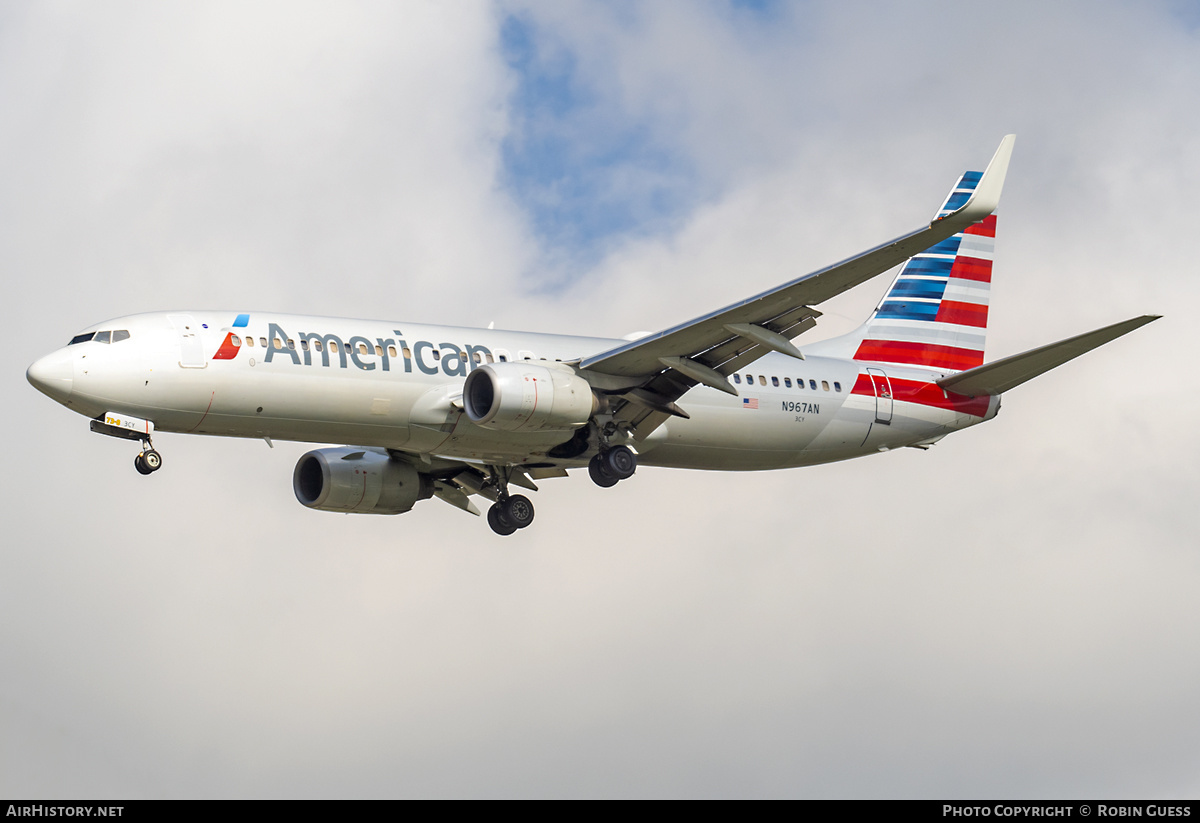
x=883, y=396
x=191, y=349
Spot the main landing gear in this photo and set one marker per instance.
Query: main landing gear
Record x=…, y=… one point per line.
x=510, y=513
x=612, y=466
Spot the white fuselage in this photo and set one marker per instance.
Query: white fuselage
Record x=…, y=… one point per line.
x=397, y=386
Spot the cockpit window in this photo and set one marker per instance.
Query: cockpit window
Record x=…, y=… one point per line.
x=119, y=335
x=102, y=337
x=82, y=338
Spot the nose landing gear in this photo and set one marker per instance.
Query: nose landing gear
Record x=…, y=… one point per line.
x=148, y=460
x=114, y=424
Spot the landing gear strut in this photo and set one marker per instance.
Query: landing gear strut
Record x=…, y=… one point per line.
x=612, y=466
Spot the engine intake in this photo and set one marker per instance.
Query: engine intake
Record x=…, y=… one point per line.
x=355, y=480
x=527, y=397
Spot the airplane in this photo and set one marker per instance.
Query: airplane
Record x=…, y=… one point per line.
x=447, y=412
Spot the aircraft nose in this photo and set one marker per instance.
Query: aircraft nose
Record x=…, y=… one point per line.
x=54, y=374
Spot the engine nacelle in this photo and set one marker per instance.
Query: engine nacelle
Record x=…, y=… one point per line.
x=354, y=480
x=525, y=396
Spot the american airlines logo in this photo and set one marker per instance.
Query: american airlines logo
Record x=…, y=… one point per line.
x=315, y=348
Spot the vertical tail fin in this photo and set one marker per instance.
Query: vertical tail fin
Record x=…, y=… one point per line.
x=935, y=313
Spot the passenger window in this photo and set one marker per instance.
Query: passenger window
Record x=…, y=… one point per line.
x=812, y=384
x=263, y=341
x=775, y=382
x=787, y=381
x=504, y=358
x=235, y=340
x=391, y=351
x=276, y=344
x=102, y=336
x=825, y=385
x=762, y=380
x=291, y=343
x=250, y=342
x=478, y=358
x=82, y=338
x=333, y=346
x=318, y=345
x=407, y=352
x=737, y=378
x=437, y=354
x=304, y=345
x=837, y=386
x=462, y=355
x=119, y=335
x=362, y=348
x=378, y=351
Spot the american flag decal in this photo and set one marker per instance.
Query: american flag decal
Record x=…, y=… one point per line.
x=749, y=402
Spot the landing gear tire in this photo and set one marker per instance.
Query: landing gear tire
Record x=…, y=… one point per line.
x=148, y=462
x=621, y=462
x=498, y=521
x=598, y=471
x=518, y=510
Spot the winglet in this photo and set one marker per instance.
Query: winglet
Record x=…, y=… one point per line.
x=987, y=193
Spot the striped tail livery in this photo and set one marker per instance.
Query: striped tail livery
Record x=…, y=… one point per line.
x=935, y=313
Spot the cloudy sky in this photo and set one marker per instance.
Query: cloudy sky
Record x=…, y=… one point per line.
x=1011, y=614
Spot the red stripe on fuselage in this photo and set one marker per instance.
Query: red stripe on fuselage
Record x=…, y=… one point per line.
x=919, y=354
x=926, y=394
x=964, y=314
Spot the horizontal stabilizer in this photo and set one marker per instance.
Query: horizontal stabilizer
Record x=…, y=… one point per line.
x=1009, y=372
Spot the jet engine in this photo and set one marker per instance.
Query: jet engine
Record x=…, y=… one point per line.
x=357, y=480
x=524, y=396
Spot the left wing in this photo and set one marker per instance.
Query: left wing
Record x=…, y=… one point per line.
x=656, y=370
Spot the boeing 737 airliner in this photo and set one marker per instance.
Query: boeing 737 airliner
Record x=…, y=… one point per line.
x=455, y=412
